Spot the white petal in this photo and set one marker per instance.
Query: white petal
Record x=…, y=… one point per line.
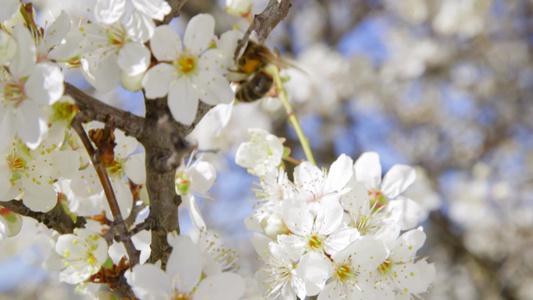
x=8, y=47
x=45, y=84
x=109, y=11
x=397, y=180
x=306, y=174
x=133, y=58
x=407, y=245
x=297, y=216
x=155, y=9
x=139, y=27
x=134, y=168
x=105, y=76
x=165, y=44
x=329, y=217
x=368, y=169
x=314, y=269
x=213, y=88
x=185, y=264
x=368, y=253
x=194, y=211
x=9, y=8
x=39, y=195
x=7, y=127
x=124, y=197
x=183, y=101
x=58, y=30
x=409, y=212
x=203, y=176
x=199, y=33
x=150, y=282
x=24, y=61
x=340, y=172
x=27, y=122
x=157, y=80
x=5, y=175
x=227, y=286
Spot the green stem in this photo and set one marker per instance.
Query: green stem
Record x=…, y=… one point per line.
x=290, y=113
x=291, y=160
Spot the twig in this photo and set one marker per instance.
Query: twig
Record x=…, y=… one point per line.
x=108, y=190
x=94, y=109
x=265, y=22
x=56, y=219
x=176, y=9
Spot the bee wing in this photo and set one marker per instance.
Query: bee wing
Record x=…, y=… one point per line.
x=278, y=61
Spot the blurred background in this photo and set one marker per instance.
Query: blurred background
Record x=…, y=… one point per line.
x=443, y=85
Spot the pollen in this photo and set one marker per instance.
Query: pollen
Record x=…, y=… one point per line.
x=186, y=64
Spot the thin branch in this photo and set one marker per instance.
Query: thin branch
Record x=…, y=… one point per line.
x=265, y=22
x=133, y=254
x=175, y=11
x=56, y=219
x=94, y=109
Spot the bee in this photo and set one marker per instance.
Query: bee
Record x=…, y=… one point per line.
x=254, y=82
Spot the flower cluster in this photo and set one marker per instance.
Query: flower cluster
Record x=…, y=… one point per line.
x=342, y=233
x=195, y=270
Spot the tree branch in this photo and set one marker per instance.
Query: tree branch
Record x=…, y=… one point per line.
x=175, y=11
x=265, y=22
x=94, y=109
x=108, y=190
x=56, y=219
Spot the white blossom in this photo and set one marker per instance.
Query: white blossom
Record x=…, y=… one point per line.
x=83, y=252
x=188, y=72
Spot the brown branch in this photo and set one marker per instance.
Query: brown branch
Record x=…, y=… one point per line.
x=175, y=11
x=108, y=190
x=56, y=219
x=265, y=22
x=94, y=109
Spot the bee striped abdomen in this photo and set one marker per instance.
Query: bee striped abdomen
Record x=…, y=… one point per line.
x=255, y=88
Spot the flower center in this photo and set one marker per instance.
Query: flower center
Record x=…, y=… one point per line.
x=315, y=242
x=186, y=64
x=183, y=183
x=16, y=164
x=344, y=272
x=181, y=296
x=385, y=267
x=14, y=92
x=116, y=169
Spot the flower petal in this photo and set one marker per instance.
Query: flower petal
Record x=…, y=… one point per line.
x=199, y=33
x=133, y=58
x=9, y=8
x=185, y=264
x=155, y=9
x=58, y=30
x=165, y=44
x=109, y=11
x=24, y=61
x=227, y=286
x=7, y=127
x=45, y=84
x=194, y=211
x=8, y=47
x=213, y=88
x=183, y=101
x=134, y=168
x=140, y=28
x=157, y=80
x=397, y=180
x=339, y=173
x=203, y=176
x=149, y=282
x=368, y=169
x=29, y=127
